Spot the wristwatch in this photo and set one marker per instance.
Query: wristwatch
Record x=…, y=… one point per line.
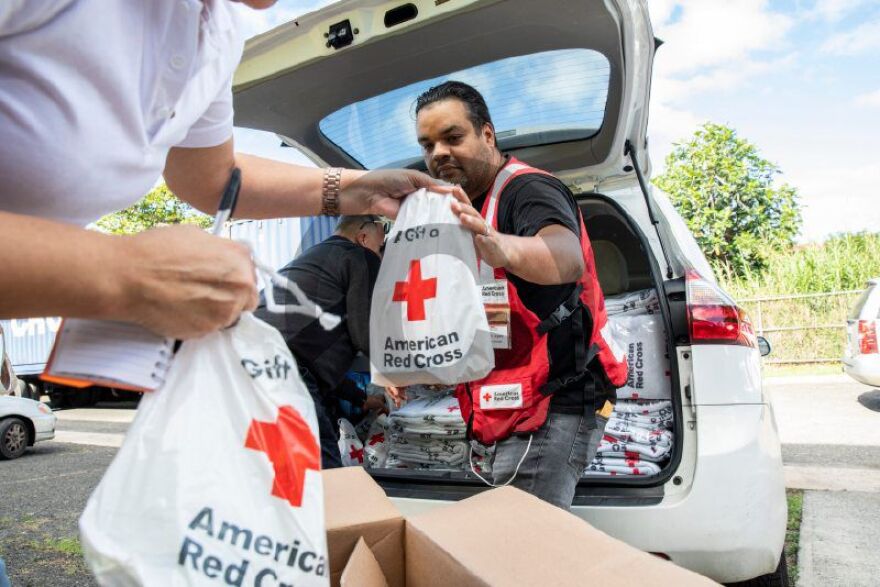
x=330, y=191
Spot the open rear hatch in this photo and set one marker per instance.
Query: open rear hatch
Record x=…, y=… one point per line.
x=567, y=82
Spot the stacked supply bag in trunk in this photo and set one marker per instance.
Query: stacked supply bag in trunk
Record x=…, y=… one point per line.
x=638, y=437
x=428, y=433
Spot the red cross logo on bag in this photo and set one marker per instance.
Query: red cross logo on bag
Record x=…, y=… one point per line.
x=291, y=448
x=377, y=438
x=357, y=453
x=415, y=291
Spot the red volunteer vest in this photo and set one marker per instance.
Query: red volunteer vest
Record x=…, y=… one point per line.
x=515, y=396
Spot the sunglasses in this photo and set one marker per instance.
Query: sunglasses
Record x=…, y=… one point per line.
x=384, y=223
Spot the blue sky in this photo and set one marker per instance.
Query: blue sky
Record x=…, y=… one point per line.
x=800, y=79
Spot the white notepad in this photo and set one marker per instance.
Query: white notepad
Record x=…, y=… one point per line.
x=112, y=354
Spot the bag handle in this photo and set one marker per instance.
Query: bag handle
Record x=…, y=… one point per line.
x=303, y=306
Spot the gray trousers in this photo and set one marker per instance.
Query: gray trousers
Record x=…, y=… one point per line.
x=556, y=458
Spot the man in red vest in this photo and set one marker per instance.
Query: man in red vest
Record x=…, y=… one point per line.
x=545, y=308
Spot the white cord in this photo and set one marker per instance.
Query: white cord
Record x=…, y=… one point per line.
x=515, y=471
x=304, y=306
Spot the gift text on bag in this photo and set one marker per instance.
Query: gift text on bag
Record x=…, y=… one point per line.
x=279, y=369
x=417, y=233
x=249, y=570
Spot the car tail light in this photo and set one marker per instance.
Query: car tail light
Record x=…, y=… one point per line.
x=713, y=316
x=867, y=337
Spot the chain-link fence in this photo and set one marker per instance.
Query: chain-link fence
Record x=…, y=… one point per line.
x=802, y=328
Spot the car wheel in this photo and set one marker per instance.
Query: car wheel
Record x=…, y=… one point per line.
x=13, y=438
x=778, y=578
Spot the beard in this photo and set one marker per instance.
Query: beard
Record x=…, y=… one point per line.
x=475, y=172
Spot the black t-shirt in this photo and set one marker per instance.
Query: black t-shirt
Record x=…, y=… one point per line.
x=529, y=203
x=338, y=275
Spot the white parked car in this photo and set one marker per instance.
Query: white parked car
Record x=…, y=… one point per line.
x=10, y=383
x=567, y=83
x=861, y=357
x=22, y=423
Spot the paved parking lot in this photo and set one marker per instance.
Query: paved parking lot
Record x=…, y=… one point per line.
x=830, y=443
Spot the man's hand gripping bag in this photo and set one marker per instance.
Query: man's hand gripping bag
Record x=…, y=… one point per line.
x=217, y=481
x=427, y=321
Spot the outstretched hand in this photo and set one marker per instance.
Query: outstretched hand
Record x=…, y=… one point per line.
x=381, y=191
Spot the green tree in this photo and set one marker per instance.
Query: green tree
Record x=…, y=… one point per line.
x=725, y=191
x=157, y=208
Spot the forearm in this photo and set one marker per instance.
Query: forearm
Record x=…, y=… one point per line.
x=270, y=189
x=552, y=257
x=55, y=269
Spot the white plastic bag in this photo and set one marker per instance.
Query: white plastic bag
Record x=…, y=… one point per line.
x=644, y=301
x=427, y=321
x=376, y=443
x=643, y=338
x=217, y=482
x=351, y=449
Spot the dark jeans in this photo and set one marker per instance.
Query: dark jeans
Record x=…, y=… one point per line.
x=554, y=462
x=327, y=429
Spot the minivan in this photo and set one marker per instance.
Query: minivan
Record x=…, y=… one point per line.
x=568, y=85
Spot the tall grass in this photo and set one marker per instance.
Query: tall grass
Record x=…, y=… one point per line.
x=843, y=263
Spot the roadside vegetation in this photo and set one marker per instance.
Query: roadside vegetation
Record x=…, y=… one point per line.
x=793, y=532
x=746, y=221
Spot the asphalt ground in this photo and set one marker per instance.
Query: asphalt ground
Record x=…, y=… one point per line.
x=41, y=496
x=824, y=430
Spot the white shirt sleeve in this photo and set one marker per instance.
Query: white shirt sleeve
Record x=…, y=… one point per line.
x=215, y=126
x=17, y=16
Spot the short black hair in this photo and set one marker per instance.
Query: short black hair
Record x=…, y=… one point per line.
x=478, y=112
x=351, y=224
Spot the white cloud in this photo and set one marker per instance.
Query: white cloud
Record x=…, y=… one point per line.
x=709, y=34
x=661, y=11
x=834, y=10
x=862, y=38
x=837, y=198
x=709, y=47
x=869, y=99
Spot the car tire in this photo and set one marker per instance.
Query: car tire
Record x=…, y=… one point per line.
x=778, y=578
x=13, y=438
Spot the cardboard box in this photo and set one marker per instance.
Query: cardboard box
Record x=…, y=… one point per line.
x=355, y=507
x=362, y=569
x=508, y=537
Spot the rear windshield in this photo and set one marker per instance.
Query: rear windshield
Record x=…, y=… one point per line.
x=856, y=312
x=550, y=96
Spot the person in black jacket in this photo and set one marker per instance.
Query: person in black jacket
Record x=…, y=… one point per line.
x=338, y=274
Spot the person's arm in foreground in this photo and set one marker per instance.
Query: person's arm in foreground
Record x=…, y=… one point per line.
x=177, y=281
x=271, y=189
